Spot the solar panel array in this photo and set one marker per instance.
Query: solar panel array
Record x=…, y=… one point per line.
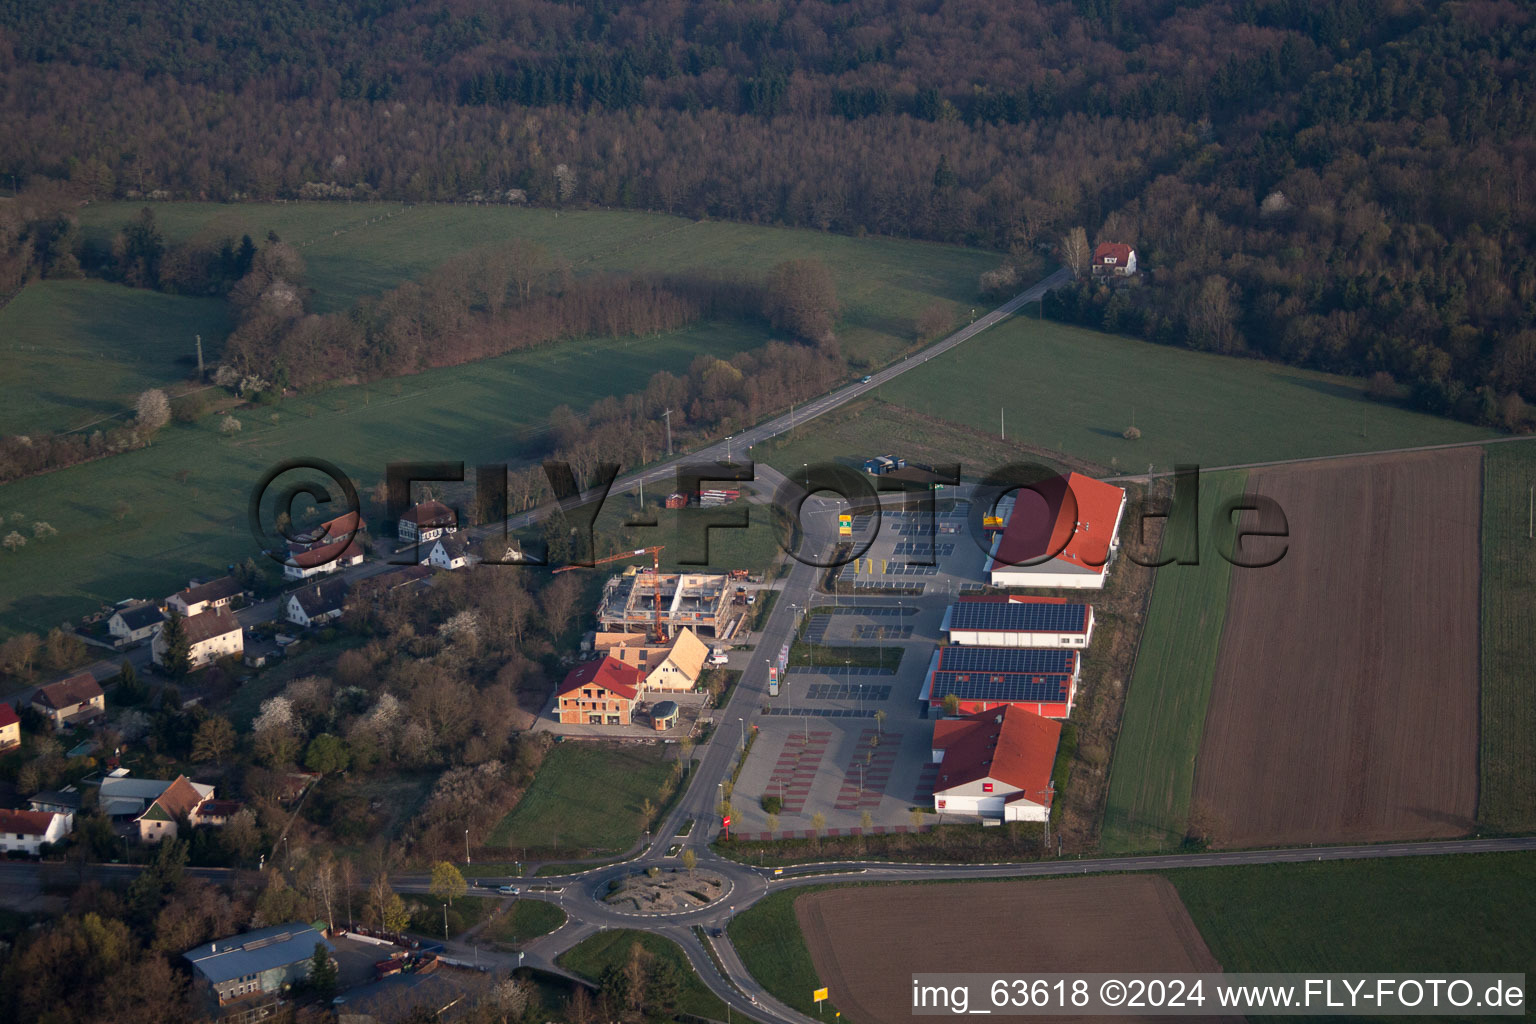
x=1025, y=674
x=1018, y=616
x=1028, y=660
x=907, y=547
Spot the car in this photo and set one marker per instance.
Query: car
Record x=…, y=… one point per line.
x=508, y=890
x=866, y=379
x=719, y=658
x=751, y=599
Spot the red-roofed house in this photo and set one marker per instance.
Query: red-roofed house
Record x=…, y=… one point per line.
x=427, y=521
x=181, y=800
x=317, y=560
x=76, y=699
x=28, y=830
x=1114, y=258
x=598, y=692
x=996, y=764
x=1062, y=532
x=10, y=727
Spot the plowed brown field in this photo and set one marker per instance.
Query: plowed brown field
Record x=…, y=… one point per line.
x=1345, y=702
x=868, y=942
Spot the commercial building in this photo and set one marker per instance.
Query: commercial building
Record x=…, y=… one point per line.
x=696, y=601
x=246, y=974
x=1041, y=680
x=987, y=620
x=995, y=764
x=1062, y=532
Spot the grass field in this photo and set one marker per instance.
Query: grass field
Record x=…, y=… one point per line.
x=526, y=919
x=357, y=249
x=1075, y=391
x=585, y=800
x=1461, y=913
x=465, y=913
x=177, y=528
x=591, y=957
x=78, y=353
x=1153, y=771
x=1507, y=798
x=768, y=938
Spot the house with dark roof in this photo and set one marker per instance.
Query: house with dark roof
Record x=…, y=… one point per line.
x=10, y=727
x=1060, y=532
x=211, y=635
x=134, y=623
x=427, y=521
x=995, y=764
x=59, y=801
x=200, y=597
x=250, y=970
x=307, y=560
x=71, y=701
x=27, y=831
x=450, y=552
x=318, y=603
x=1114, y=259
x=600, y=692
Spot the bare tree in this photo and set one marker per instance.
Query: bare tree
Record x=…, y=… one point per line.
x=1075, y=252
x=559, y=603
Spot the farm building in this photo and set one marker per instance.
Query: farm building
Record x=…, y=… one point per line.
x=1042, y=680
x=1062, y=532
x=248, y=970
x=10, y=727
x=600, y=692
x=696, y=601
x=1015, y=621
x=995, y=764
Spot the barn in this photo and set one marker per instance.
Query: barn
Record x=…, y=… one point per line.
x=985, y=620
x=1041, y=680
x=1062, y=532
x=995, y=764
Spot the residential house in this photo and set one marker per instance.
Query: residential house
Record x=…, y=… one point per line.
x=427, y=521
x=200, y=597
x=71, y=701
x=134, y=623
x=27, y=831
x=58, y=801
x=256, y=968
x=451, y=552
x=10, y=727
x=308, y=560
x=600, y=692
x=671, y=667
x=211, y=635
x=1114, y=259
x=995, y=764
x=343, y=527
x=154, y=806
x=317, y=604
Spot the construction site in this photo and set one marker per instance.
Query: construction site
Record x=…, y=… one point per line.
x=638, y=602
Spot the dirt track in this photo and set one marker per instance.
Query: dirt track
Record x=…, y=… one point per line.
x=1345, y=702
x=868, y=942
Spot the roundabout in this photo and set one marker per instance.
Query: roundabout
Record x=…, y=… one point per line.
x=663, y=892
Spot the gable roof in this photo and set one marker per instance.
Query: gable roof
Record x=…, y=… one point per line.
x=430, y=513
x=1012, y=674
x=139, y=616
x=1010, y=744
x=66, y=693
x=689, y=653
x=321, y=598
x=177, y=800
x=1118, y=251
x=321, y=554
x=1067, y=519
x=208, y=624
x=340, y=528
x=1014, y=614
x=609, y=673
x=254, y=952
x=454, y=545
x=8, y=715
x=27, y=823
x=214, y=590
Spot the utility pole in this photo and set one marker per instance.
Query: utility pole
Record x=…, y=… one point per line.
x=666, y=414
x=199, y=357
x=1002, y=425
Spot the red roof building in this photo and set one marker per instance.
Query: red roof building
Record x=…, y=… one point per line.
x=27, y=831
x=78, y=698
x=601, y=692
x=427, y=521
x=10, y=727
x=1062, y=532
x=995, y=764
x=1114, y=258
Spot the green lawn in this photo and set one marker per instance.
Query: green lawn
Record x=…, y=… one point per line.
x=585, y=800
x=177, y=528
x=78, y=353
x=1461, y=913
x=466, y=912
x=767, y=936
x=526, y=919
x=591, y=957
x=1075, y=391
x=1153, y=771
x=357, y=249
x=1507, y=798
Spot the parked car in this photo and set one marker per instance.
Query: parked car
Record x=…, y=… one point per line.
x=719, y=658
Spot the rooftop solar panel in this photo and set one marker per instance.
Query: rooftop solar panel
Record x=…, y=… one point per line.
x=1019, y=616
x=1007, y=660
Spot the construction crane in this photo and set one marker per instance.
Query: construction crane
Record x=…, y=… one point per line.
x=655, y=553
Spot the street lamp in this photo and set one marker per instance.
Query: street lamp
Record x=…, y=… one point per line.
x=466, y=846
x=743, y=722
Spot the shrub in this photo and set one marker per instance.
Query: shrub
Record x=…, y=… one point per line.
x=772, y=803
x=1132, y=434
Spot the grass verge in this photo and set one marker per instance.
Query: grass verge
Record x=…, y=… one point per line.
x=586, y=800
x=593, y=957
x=767, y=937
x=525, y=920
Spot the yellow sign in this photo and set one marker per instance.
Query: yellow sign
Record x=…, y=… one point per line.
x=819, y=994
x=845, y=525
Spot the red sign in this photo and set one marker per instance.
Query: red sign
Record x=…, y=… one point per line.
x=986, y=787
x=727, y=822
x=941, y=805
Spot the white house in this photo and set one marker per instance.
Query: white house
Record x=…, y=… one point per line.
x=428, y=521
x=136, y=622
x=673, y=668
x=200, y=597
x=154, y=805
x=1062, y=532
x=1114, y=258
x=76, y=699
x=1013, y=620
x=211, y=635
x=995, y=764
x=26, y=831
x=304, y=562
x=320, y=603
x=450, y=552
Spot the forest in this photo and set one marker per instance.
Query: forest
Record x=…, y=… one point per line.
x=1342, y=186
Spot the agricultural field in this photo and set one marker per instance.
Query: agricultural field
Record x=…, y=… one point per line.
x=1153, y=771
x=1507, y=797
x=1075, y=391
x=78, y=353
x=591, y=957
x=1345, y=701
x=356, y=249
x=144, y=522
x=585, y=801
x=867, y=942
x=1459, y=913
